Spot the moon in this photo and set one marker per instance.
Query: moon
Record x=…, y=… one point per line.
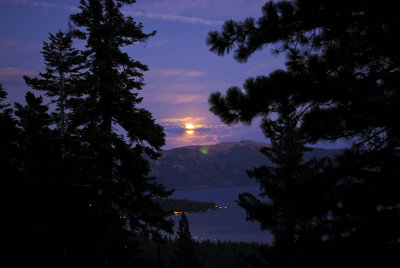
x=189, y=128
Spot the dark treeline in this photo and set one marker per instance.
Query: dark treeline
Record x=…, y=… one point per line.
x=183, y=251
x=224, y=254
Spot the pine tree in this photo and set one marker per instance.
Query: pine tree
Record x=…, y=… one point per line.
x=185, y=251
x=344, y=57
x=34, y=122
x=40, y=195
x=342, y=67
x=8, y=135
x=60, y=81
x=54, y=159
x=296, y=207
x=9, y=170
x=123, y=201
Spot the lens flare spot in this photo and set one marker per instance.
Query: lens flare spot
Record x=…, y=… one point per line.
x=204, y=149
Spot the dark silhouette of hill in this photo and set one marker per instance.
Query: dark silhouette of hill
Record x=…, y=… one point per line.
x=219, y=165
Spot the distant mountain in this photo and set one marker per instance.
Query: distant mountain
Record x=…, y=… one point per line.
x=212, y=166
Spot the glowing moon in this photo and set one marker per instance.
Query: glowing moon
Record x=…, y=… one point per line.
x=189, y=128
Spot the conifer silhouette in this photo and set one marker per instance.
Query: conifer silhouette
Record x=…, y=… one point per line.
x=60, y=81
x=83, y=169
x=342, y=68
x=297, y=206
x=123, y=199
x=185, y=250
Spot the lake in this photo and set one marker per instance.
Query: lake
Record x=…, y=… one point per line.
x=225, y=223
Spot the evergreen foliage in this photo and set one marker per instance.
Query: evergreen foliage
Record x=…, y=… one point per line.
x=342, y=77
x=61, y=192
x=35, y=140
x=220, y=254
x=295, y=212
x=9, y=165
x=60, y=81
x=41, y=198
x=8, y=135
x=185, y=254
x=81, y=188
x=110, y=103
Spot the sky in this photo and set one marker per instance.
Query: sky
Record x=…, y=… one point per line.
x=182, y=71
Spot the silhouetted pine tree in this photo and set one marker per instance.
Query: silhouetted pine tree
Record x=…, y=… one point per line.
x=184, y=247
x=8, y=137
x=35, y=142
x=52, y=156
x=60, y=81
x=343, y=65
x=55, y=221
x=39, y=195
x=123, y=198
x=9, y=173
x=295, y=211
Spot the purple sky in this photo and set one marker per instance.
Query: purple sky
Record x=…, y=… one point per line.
x=183, y=72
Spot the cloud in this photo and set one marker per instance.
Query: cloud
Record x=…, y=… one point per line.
x=44, y=4
x=206, y=9
x=188, y=119
x=202, y=134
x=177, y=124
x=30, y=2
x=186, y=139
x=178, y=72
x=11, y=46
x=180, y=88
x=176, y=98
x=159, y=43
x=175, y=86
x=181, y=122
x=172, y=17
x=205, y=12
x=11, y=73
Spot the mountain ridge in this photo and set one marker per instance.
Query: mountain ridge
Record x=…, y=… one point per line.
x=217, y=165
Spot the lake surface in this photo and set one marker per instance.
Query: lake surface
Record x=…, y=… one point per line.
x=222, y=224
